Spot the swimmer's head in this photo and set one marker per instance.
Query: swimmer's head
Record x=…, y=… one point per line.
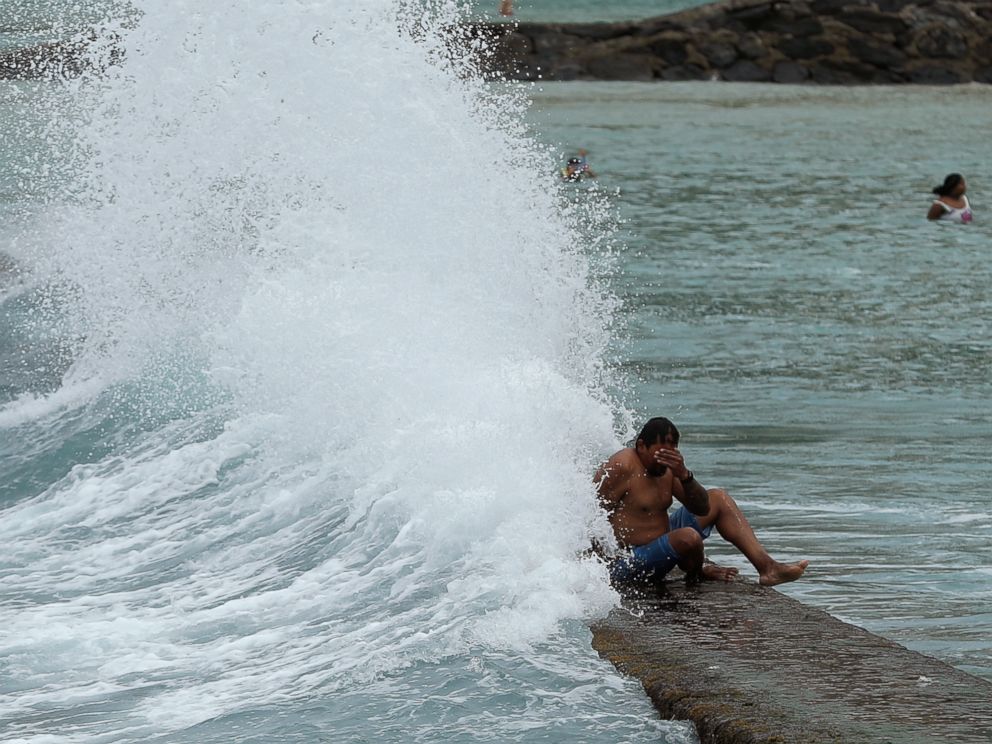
x=953, y=185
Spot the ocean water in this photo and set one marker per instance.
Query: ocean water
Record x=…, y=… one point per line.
x=826, y=350
x=306, y=358
x=297, y=412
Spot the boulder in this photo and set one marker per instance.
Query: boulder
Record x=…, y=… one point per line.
x=875, y=54
x=719, y=53
x=621, y=67
x=745, y=71
x=871, y=21
x=931, y=75
x=790, y=73
x=751, y=46
x=804, y=48
x=936, y=41
x=685, y=72
x=670, y=46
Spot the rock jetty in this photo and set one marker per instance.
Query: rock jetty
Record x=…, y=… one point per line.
x=836, y=42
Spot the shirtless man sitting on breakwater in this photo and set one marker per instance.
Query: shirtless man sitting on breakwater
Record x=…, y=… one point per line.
x=636, y=487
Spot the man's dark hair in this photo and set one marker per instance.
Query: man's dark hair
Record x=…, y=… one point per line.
x=656, y=429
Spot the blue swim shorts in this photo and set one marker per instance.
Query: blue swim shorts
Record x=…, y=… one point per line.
x=658, y=557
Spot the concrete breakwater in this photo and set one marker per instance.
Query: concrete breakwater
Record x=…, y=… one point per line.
x=749, y=665
x=803, y=41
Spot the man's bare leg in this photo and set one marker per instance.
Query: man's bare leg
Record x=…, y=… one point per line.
x=732, y=525
x=689, y=544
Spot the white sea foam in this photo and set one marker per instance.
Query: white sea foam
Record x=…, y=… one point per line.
x=303, y=206
x=32, y=406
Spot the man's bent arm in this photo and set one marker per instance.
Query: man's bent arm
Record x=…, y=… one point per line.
x=694, y=495
x=610, y=480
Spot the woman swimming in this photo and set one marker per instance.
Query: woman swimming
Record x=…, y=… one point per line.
x=951, y=205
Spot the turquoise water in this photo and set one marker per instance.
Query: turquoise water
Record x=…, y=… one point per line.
x=297, y=413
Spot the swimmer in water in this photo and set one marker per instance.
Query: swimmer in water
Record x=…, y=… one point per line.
x=572, y=170
x=577, y=168
x=951, y=205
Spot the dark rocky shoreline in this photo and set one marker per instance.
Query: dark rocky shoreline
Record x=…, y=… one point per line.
x=834, y=42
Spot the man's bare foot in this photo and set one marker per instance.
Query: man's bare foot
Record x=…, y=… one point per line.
x=780, y=573
x=713, y=572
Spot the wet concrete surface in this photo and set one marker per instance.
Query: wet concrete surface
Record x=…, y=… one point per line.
x=748, y=664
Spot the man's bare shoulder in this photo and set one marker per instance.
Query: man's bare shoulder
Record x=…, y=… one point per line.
x=613, y=478
x=624, y=461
